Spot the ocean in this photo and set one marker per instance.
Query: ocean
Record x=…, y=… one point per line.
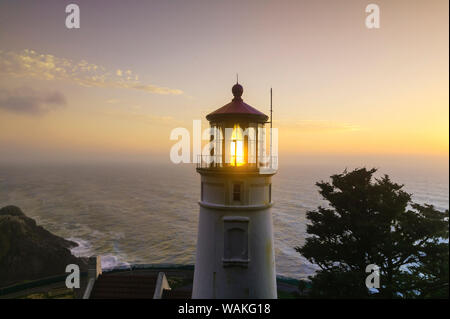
x=147, y=214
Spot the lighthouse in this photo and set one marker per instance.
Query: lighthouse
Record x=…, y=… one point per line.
x=235, y=247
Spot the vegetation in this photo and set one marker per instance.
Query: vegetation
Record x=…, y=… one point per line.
x=55, y=293
x=29, y=252
x=373, y=221
x=178, y=281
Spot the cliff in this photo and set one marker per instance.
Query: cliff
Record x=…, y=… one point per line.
x=28, y=251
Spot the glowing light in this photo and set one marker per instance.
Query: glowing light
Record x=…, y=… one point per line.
x=237, y=147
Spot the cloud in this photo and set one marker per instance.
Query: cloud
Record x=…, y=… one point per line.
x=28, y=101
x=156, y=89
x=134, y=113
x=112, y=101
x=30, y=64
x=319, y=126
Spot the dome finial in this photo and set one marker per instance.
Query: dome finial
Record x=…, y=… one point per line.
x=237, y=90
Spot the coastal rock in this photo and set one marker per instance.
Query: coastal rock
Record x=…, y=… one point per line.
x=29, y=252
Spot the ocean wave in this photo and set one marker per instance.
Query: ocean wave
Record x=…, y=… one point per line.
x=84, y=248
x=113, y=262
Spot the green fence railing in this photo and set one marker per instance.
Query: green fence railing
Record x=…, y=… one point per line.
x=60, y=278
x=35, y=283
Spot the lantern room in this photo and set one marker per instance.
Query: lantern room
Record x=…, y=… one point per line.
x=238, y=136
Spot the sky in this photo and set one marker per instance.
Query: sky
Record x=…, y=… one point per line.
x=134, y=70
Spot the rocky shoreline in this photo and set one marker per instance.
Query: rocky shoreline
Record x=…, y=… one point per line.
x=29, y=252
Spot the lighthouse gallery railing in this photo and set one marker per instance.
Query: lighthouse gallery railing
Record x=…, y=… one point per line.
x=215, y=161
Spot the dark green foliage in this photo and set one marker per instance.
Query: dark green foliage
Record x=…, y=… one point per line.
x=373, y=221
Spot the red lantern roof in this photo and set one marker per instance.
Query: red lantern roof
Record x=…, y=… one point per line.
x=237, y=109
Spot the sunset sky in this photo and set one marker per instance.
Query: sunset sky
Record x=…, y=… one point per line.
x=116, y=87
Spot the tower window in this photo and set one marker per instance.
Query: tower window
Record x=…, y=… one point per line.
x=234, y=248
x=235, y=241
x=237, y=192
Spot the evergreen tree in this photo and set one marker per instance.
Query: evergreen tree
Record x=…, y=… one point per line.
x=373, y=221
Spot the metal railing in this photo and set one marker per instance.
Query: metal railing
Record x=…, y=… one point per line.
x=215, y=161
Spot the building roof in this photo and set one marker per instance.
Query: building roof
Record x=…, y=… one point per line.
x=120, y=286
x=237, y=109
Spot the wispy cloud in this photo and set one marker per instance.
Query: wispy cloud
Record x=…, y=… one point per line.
x=28, y=101
x=112, y=101
x=29, y=63
x=134, y=113
x=318, y=125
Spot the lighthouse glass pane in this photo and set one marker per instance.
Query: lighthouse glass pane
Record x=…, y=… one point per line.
x=218, y=140
x=237, y=146
x=262, y=156
x=251, y=147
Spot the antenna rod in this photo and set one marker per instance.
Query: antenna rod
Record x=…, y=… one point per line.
x=270, y=107
x=271, y=160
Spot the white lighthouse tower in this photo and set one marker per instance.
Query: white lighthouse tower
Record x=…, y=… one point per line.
x=235, y=248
